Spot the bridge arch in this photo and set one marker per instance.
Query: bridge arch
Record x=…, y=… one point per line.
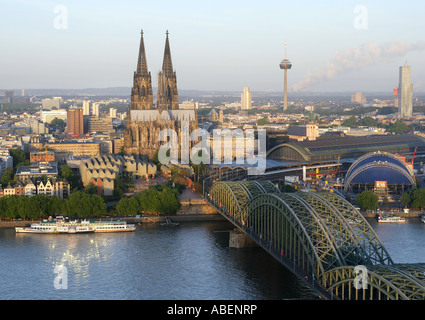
x=319, y=236
x=396, y=282
x=233, y=196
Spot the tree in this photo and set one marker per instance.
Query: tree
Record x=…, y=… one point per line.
x=417, y=198
x=367, y=200
x=67, y=173
x=398, y=127
x=161, y=199
x=351, y=122
x=369, y=122
x=262, y=121
x=128, y=207
x=57, y=122
x=405, y=199
x=84, y=205
x=90, y=188
x=7, y=176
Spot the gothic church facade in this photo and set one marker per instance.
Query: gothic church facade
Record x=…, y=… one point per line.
x=146, y=119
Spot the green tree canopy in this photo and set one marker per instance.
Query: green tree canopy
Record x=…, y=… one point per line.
x=67, y=173
x=417, y=198
x=367, y=200
x=57, y=122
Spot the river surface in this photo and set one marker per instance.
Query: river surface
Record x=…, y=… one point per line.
x=192, y=261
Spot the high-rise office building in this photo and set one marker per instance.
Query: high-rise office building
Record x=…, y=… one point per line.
x=86, y=107
x=112, y=112
x=358, y=97
x=74, y=122
x=246, y=99
x=405, y=92
x=95, y=109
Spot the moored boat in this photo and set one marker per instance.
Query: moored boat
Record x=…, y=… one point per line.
x=393, y=219
x=169, y=223
x=48, y=227
x=73, y=227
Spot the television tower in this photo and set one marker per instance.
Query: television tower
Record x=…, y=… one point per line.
x=285, y=64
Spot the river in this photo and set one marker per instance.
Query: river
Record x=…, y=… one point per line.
x=191, y=261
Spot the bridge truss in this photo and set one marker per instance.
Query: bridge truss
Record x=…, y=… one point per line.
x=321, y=237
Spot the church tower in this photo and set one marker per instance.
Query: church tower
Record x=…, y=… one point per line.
x=167, y=97
x=141, y=93
x=144, y=122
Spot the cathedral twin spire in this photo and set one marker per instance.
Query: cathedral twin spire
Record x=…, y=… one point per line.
x=167, y=95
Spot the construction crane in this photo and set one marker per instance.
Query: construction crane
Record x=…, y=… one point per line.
x=413, y=159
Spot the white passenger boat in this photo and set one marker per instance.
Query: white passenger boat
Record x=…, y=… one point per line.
x=84, y=226
x=111, y=226
x=391, y=219
x=55, y=227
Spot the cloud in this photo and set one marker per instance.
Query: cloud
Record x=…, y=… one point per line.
x=354, y=59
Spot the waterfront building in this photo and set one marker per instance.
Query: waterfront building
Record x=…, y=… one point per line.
x=31, y=187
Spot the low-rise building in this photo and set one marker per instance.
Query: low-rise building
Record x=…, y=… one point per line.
x=76, y=149
x=36, y=171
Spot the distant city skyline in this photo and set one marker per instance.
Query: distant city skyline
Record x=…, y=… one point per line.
x=223, y=46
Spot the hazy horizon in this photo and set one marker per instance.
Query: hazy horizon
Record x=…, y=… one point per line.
x=222, y=46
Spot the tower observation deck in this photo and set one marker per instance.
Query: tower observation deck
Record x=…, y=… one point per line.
x=285, y=64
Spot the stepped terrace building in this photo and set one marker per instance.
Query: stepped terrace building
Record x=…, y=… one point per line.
x=102, y=170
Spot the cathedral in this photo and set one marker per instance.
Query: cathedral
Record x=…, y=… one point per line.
x=146, y=119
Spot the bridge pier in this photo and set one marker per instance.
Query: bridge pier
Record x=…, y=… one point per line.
x=238, y=239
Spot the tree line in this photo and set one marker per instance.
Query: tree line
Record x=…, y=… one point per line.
x=160, y=199
x=78, y=205
x=415, y=198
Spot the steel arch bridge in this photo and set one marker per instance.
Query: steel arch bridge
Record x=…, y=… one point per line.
x=319, y=236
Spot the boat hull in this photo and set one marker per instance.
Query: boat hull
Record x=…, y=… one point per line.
x=76, y=228
x=31, y=230
x=396, y=220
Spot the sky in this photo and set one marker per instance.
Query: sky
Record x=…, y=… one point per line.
x=215, y=45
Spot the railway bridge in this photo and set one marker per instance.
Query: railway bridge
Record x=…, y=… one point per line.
x=321, y=238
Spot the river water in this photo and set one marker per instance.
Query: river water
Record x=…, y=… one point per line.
x=192, y=261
